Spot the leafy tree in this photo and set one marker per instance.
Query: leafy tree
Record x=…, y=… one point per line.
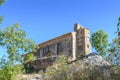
x=15, y=40
x=28, y=60
x=5, y=70
x=99, y=41
x=2, y=2
x=58, y=71
x=114, y=52
x=29, y=57
x=1, y=19
x=114, y=49
x=118, y=30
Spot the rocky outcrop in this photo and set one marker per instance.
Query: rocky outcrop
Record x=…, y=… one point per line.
x=92, y=59
x=92, y=65
x=96, y=60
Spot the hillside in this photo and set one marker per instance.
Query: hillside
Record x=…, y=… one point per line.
x=90, y=67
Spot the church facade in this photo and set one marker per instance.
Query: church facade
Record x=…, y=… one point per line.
x=74, y=44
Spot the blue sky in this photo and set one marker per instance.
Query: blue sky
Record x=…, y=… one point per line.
x=46, y=19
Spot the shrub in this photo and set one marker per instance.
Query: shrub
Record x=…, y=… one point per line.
x=58, y=71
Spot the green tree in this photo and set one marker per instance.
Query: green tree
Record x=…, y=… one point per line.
x=118, y=30
x=1, y=3
x=58, y=71
x=99, y=41
x=15, y=40
x=1, y=19
x=114, y=52
x=114, y=48
x=29, y=57
x=28, y=60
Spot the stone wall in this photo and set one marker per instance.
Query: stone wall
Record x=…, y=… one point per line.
x=42, y=63
x=82, y=40
x=57, y=46
x=74, y=44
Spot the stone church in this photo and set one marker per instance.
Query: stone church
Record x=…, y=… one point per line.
x=73, y=44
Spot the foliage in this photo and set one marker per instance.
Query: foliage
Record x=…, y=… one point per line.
x=58, y=71
x=118, y=28
x=114, y=52
x=88, y=73
x=28, y=60
x=4, y=69
x=81, y=75
x=14, y=39
x=82, y=71
x=114, y=48
x=2, y=2
x=1, y=19
x=99, y=41
x=62, y=71
x=115, y=72
x=29, y=57
x=5, y=72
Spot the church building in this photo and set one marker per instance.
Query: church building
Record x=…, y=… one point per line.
x=74, y=44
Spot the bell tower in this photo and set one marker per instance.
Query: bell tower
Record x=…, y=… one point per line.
x=82, y=40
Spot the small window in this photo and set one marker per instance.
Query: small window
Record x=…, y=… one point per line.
x=58, y=48
x=88, y=46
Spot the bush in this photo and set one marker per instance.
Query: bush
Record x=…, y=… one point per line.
x=75, y=71
x=58, y=71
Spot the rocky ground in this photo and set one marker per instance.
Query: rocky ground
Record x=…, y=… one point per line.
x=91, y=60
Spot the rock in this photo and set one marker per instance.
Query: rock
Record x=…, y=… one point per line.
x=96, y=60
x=91, y=60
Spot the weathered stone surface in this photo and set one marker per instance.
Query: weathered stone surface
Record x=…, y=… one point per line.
x=41, y=64
x=73, y=44
x=96, y=60
x=93, y=60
